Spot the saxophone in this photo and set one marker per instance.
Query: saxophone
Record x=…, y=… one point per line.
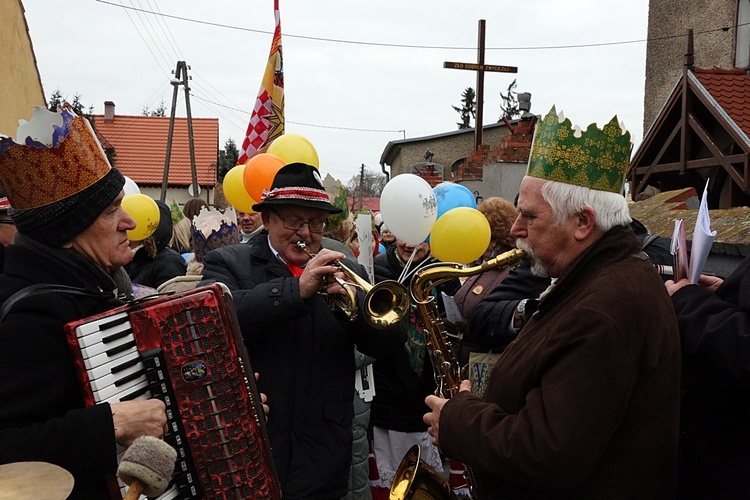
x=414, y=478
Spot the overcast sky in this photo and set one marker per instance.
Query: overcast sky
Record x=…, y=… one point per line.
x=357, y=74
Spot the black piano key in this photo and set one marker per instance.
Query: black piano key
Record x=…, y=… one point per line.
x=121, y=348
x=135, y=394
x=128, y=378
x=113, y=323
x=126, y=364
x=115, y=336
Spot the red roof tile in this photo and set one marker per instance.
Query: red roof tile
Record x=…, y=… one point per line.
x=141, y=144
x=371, y=203
x=731, y=89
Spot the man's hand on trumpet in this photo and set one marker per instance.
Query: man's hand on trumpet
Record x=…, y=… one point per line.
x=319, y=272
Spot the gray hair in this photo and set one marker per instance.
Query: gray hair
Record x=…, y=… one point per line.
x=611, y=209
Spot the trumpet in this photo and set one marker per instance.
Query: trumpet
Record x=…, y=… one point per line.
x=384, y=305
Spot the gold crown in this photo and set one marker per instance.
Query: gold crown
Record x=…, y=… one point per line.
x=596, y=159
x=55, y=156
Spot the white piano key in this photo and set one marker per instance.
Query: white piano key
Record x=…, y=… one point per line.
x=94, y=326
x=103, y=358
x=114, y=394
x=171, y=493
x=111, y=348
x=118, y=380
x=105, y=369
x=93, y=338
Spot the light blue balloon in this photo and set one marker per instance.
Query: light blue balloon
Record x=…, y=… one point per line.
x=450, y=195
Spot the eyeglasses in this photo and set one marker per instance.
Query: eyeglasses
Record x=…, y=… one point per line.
x=296, y=223
x=7, y=221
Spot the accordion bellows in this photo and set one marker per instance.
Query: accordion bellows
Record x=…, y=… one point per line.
x=55, y=156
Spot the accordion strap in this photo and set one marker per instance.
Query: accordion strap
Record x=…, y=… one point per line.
x=43, y=288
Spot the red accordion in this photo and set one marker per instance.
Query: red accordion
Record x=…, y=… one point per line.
x=185, y=349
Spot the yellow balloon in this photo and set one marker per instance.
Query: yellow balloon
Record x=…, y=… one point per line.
x=293, y=148
x=461, y=235
x=145, y=211
x=235, y=192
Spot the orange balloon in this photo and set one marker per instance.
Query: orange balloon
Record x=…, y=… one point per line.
x=259, y=173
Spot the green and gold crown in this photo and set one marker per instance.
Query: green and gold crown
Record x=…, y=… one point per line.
x=596, y=159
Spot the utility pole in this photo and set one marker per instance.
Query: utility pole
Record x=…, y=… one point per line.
x=361, y=186
x=180, y=78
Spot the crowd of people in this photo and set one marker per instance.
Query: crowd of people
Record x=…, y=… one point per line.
x=610, y=382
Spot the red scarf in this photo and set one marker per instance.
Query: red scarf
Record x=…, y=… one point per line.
x=295, y=270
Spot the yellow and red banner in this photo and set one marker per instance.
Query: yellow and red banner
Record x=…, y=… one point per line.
x=267, y=118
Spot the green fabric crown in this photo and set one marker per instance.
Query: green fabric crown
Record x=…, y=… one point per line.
x=176, y=212
x=334, y=221
x=597, y=160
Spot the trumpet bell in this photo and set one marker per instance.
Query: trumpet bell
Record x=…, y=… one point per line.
x=415, y=480
x=386, y=303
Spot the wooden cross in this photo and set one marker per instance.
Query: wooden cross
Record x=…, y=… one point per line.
x=480, y=68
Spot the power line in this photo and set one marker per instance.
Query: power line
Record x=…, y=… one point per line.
x=430, y=47
x=300, y=123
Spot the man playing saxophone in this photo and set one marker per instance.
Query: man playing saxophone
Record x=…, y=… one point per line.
x=303, y=350
x=584, y=403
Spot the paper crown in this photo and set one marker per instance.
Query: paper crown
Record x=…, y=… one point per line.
x=176, y=212
x=335, y=220
x=54, y=156
x=213, y=229
x=596, y=159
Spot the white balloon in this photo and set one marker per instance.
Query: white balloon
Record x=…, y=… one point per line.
x=409, y=208
x=130, y=186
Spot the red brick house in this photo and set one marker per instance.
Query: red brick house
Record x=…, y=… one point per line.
x=140, y=144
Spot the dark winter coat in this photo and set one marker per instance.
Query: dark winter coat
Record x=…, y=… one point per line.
x=490, y=320
x=42, y=415
x=584, y=404
x=304, y=353
x=715, y=407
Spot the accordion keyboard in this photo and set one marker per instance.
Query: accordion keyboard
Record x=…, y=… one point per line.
x=186, y=350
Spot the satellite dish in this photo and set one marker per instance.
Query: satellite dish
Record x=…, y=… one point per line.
x=190, y=190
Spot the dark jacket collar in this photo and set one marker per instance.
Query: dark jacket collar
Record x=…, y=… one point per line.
x=617, y=244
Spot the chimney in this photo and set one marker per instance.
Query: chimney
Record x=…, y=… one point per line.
x=516, y=146
x=109, y=111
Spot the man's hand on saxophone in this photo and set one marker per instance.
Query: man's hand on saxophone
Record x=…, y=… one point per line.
x=436, y=404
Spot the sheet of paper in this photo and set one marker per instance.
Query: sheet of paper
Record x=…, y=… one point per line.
x=452, y=313
x=364, y=383
x=703, y=238
x=679, y=251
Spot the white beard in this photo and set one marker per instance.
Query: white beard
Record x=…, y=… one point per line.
x=537, y=268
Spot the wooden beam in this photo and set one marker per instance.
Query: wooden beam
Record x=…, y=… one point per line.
x=692, y=164
x=658, y=157
x=711, y=145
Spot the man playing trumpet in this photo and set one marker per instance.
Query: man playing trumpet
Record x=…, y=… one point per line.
x=301, y=347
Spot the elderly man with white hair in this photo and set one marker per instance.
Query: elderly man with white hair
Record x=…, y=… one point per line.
x=584, y=403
